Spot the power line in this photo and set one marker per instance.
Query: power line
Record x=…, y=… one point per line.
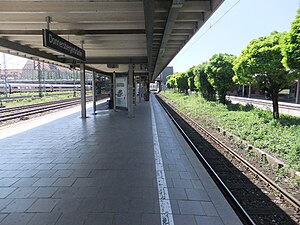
x=198, y=38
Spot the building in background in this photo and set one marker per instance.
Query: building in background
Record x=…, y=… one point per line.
x=166, y=72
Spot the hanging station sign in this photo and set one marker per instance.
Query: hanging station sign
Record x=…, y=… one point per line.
x=57, y=43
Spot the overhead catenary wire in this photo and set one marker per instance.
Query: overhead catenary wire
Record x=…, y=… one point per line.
x=205, y=32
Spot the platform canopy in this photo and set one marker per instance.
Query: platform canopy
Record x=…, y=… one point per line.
x=114, y=33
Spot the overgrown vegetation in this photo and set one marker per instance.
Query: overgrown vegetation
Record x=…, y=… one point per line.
x=256, y=126
x=270, y=63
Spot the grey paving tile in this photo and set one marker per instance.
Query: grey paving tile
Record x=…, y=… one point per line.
x=17, y=219
x=177, y=193
x=44, y=182
x=63, y=173
x=18, y=205
x=151, y=219
x=43, y=205
x=2, y=216
x=87, y=192
x=188, y=175
x=99, y=218
x=7, y=182
x=90, y=205
x=85, y=182
x=61, y=166
x=25, y=182
x=45, y=166
x=74, y=218
x=185, y=220
x=197, y=194
x=66, y=192
x=204, y=220
x=45, y=173
x=5, y=191
x=182, y=183
x=4, y=202
x=81, y=173
x=44, y=192
x=22, y=192
x=10, y=173
x=197, y=184
x=116, y=205
x=191, y=207
x=67, y=205
x=209, y=209
x=44, y=219
x=27, y=173
x=127, y=219
x=64, y=182
x=142, y=205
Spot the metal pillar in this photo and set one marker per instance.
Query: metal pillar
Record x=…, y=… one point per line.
x=5, y=75
x=297, y=91
x=82, y=90
x=94, y=91
x=140, y=89
x=130, y=91
x=114, y=91
x=40, y=79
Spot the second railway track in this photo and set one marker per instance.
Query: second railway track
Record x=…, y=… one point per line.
x=263, y=200
x=8, y=114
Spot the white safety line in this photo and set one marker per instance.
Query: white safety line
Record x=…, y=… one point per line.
x=166, y=215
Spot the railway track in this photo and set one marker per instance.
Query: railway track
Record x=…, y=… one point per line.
x=284, y=107
x=255, y=197
x=21, y=112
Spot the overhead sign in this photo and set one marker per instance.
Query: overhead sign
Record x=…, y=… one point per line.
x=55, y=42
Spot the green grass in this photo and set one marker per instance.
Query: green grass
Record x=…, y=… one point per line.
x=255, y=126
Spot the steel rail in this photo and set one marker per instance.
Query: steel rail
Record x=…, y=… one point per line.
x=34, y=105
x=291, y=199
x=240, y=211
x=40, y=109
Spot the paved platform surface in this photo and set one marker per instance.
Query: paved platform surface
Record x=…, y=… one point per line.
x=107, y=169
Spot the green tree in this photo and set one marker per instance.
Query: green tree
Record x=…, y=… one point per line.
x=171, y=81
x=261, y=64
x=202, y=84
x=182, y=82
x=290, y=46
x=191, y=76
x=220, y=74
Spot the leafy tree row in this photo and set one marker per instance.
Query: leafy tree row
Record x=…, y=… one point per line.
x=270, y=63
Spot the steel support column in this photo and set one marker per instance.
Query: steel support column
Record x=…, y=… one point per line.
x=114, y=91
x=82, y=90
x=140, y=89
x=94, y=91
x=130, y=91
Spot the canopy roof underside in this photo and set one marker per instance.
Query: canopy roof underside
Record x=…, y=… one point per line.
x=114, y=33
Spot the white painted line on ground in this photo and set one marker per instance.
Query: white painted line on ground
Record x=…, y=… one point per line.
x=166, y=216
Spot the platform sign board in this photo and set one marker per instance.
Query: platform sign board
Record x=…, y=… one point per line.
x=57, y=43
x=121, y=92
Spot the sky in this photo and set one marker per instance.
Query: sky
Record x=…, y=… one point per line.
x=229, y=30
x=233, y=26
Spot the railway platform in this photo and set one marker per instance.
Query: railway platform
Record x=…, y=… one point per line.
x=107, y=169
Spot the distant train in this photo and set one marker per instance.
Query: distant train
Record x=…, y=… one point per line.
x=24, y=87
